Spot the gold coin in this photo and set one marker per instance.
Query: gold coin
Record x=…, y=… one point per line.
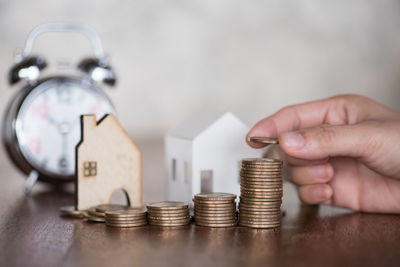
x=227, y=208
x=261, y=168
x=261, y=160
x=93, y=212
x=168, y=215
x=254, y=194
x=262, y=185
x=126, y=225
x=266, y=172
x=264, y=140
x=126, y=213
x=255, y=189
x=106, y=207
x=261, y=193
x=216, y=210
x=169, y=223
x=72, y=212
x=215, y=196
x=211, y=214
x=248, y=207
x=259, y=202
x=213, y=201
x=91, y=218
x=216, y=224
x=167, y=218
x=126, y=221
x=215, y=218
x=263, y=177
x=262, y=164
x=209, y=205
x=167, y=205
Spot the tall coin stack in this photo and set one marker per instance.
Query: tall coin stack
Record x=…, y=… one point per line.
x=128, y=217
x=260, y=193
x=168, y=213
x=215, y=209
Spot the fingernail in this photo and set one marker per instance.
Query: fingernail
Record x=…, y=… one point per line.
x=292, y=140
x=319, y=193
x=319, y=172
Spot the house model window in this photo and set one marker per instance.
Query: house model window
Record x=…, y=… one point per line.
x=186, y=172
x=173, y=169
x=206, y=181
x=89, y=168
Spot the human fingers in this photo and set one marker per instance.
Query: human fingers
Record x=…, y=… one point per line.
x=339, y=110
x=292, y=161
x=308, y=175
x=326, y=141
x=315, y=193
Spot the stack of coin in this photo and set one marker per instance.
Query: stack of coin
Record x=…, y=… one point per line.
x=70, y=211
x=260, y=193
x=128, y=217
x=215, y=209
x=97, y=213
x=168, y=213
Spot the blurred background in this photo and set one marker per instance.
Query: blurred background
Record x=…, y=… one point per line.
x=174, y=58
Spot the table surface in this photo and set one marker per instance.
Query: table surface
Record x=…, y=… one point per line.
x=33, y=234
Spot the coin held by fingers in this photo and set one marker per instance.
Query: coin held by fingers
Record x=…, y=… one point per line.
x=263, y=140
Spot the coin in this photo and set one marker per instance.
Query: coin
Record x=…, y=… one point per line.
x=126, y=225
x=215, y=196
x=227, y=202
x=216, y=224
x=157, y=223
x=264, y=140
x=261, y=160
x=71, y=212
x=93, y=212
x=260, y=193
x=96, y=219
x=126, y=213
x=207, y=214
x=167, y=218
x=105, y=207
x=167, y=205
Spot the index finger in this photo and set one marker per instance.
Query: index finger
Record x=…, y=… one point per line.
x=335, y=111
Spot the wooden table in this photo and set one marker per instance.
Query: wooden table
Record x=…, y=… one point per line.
x=33, y=234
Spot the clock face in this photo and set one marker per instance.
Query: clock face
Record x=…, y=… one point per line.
x=48, y=123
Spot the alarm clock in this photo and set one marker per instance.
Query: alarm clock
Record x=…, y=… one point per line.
x=41, y=127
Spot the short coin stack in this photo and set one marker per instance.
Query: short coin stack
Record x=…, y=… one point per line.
x=168, y=213
x=215, y=209
x=261, y=193
x=128, y=217
x=97, y=214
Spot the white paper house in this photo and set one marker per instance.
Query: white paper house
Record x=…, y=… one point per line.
x=203, y=155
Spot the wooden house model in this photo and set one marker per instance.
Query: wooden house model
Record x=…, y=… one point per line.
x=107, y=160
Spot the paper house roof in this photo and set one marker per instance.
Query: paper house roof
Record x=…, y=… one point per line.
x=198, y=123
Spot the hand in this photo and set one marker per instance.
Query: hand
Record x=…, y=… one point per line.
x=343, y=151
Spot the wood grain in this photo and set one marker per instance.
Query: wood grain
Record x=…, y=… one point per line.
x=33, y=234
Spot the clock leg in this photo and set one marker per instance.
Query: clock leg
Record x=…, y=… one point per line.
x=30, y=182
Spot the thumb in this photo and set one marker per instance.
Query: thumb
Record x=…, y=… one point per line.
x=325, y=141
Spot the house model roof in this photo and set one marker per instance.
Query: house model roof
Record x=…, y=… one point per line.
x=198, y=123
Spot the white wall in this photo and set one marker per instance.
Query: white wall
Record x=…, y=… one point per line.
x=181, y=151
x=250, y=57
